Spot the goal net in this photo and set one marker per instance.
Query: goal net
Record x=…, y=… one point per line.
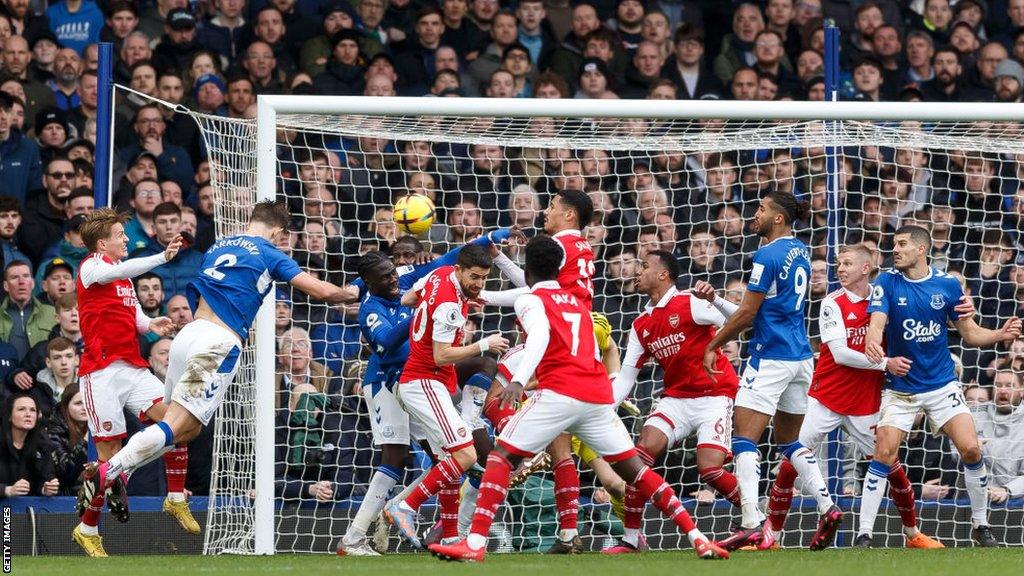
x=681, y=177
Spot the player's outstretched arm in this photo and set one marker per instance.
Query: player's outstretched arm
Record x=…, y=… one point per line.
x=96, y=271
x=319, y=289
x=873, y=339
x=978, y=337
x=446, y=354
x=504, y=298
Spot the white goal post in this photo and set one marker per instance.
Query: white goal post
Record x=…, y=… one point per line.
x=246, y=166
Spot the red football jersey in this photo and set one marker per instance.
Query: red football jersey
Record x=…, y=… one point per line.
x=577, y=272
x=842, y=389
x=675, y=332
x=439, y=317
x=569, y=365
x=106, y=313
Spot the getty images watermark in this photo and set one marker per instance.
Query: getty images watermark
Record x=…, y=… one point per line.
x=7, y=540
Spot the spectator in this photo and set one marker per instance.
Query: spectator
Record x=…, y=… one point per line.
x=920, y=50
x=150, y=291
x=20, y=165
x=344, y=71
x=10, y=221
x=533, y=34
x=460, y=33
x=644, y=71
x=177, y=43
x=25, y=464
x=868, y=79
x=744, y=85
x=628, y=23
x=24, y=320
x=58, y=279
x=568, y=56
x=504, y=32
x=1000, y=427
x=780, y=18
x=159, y=354
x=222, y=32
x=415, y=58
x=23, y=377
x=261, y=65
x=43, y=221
x=177, y=273
x=179, y=311
x=948, y=84
x=772, y=60
x=51, y=127
x=146, y=195
x=16, y=59
x=67, y=67
x=516, y=61
x=172, y=161
x=67, y=432
x=1009, y=80
x=686, y=68
x=595, y=80
x=76, y=23
x=61, y=372
x=738, y=47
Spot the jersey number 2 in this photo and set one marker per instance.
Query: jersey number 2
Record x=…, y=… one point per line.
x=222, y=261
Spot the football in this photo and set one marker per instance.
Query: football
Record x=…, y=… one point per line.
x=414, y=214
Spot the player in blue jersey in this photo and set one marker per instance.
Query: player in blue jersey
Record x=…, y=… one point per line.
x=778, y=373
x=911, y=308
x=384, y=324
x=236, y=274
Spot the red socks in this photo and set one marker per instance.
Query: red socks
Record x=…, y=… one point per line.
x=781, y=496
x=448, y=502
x=902, y=494
x=567, y=493
x=497, y=415
x=176, y=468
x=493, y=489
x=444, y=473
x=651, y=486
x=723, y=482
x=91, y=517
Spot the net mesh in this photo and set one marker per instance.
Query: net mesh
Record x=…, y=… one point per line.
x=688, y=186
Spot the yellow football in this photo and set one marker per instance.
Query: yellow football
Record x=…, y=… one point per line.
x=414, y=214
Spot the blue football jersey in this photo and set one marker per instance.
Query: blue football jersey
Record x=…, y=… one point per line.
x=236, y=274
x=918, y=312
x=781, y=272
x=385, y=327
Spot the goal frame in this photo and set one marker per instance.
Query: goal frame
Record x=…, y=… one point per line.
x=270, y=106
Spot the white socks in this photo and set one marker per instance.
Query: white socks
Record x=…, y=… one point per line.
x=467, y=506
x=976, y=480
x=383, y=480
x=747, y=468
x=141, y=449
x=876, y=485
x=806, y=465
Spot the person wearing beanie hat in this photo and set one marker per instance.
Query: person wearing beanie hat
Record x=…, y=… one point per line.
x=344, y=72
x=1009, y=76
x=52, y=131
x=209, y=94
x=595, y=79
x=317, y=50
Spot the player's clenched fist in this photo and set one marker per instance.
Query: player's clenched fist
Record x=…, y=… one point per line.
x=898, y=366
x=703, y=290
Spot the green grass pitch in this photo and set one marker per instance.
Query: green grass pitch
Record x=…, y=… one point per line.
x=836, y=562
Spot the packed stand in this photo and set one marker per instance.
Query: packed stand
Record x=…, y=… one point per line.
x=215, y=57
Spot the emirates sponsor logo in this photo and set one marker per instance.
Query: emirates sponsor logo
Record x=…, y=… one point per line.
x=667, y=346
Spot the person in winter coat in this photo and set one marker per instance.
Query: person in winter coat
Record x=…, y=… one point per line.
x=26, y=468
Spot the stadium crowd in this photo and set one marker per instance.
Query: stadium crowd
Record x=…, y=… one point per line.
x=215, y=56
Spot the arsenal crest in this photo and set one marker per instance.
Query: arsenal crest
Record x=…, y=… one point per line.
x=938, y=302
x=107, y=426
x=673, y=320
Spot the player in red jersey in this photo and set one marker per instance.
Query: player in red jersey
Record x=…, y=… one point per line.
x=846, y=391
x=673, y=330
x=112, y=372
x=573, y=393
x=564, y=219
x=428, y=382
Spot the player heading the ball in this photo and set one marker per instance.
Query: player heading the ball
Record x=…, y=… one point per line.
x=236, y=274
